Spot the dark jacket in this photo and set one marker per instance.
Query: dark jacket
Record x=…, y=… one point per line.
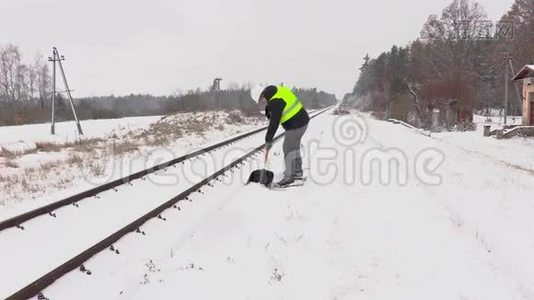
x=273, y=111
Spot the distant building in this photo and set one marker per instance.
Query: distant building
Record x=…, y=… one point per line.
x=450, y=114
x=527, y=75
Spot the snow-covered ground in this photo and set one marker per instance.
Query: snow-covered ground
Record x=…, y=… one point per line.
x=517, y=151
x=396, y=216
x=39, y=168
x=115, y=209
x=25, y=136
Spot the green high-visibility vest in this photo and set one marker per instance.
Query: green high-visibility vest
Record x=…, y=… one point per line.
x=293, y=105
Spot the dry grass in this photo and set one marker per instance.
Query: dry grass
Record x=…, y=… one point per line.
x=157, y=141
x=11, y=164
x=48, y=147
x=6, y=178
x=234, y=118
x=47, y=168
x=96, y=169
x=163, y=129
x=121, y=148
x=74, y=159
x=14, y=154
x=28, y=182
x=7, y=153
x=171, y=128
x=196, y=127
x=89, y=155
x=84, y=145
x=29, y=187
x=81, y=145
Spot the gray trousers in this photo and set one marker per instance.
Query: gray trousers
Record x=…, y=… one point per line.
x=292, y=156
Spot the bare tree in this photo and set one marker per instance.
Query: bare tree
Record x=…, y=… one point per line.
x=33, y=72
x=458, y=35
x=43, y=82
x=9, y=71
x=42, y=79
x=21, y=83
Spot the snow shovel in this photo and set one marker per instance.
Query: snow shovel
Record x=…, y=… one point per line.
x=262, y=176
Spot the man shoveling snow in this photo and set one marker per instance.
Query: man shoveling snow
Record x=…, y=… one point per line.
x=284, y=108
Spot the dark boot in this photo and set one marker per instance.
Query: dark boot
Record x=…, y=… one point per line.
x=285, y=181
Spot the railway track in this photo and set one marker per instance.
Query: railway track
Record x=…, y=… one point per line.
x=18, y=221
x=34, y=288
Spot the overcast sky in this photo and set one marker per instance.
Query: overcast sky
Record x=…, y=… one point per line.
x=157, y=46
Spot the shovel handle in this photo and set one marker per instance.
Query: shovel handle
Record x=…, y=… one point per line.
x=266, y=155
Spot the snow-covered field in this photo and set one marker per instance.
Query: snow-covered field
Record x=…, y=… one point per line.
x=25, y=136
x=386, y=213
x=36, y=168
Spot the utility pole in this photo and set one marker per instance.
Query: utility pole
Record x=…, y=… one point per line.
x=53, y=121
x=68, y=92
x=57, y=58
x=216, y=87
x=506, y=80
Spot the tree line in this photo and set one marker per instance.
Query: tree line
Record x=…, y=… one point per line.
x=26, y=97
x=460, y=57
x=20, y=81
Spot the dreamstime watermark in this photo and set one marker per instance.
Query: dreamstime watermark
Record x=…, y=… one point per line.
x=472, y=30
x=377, y=165
x=357, y=162
x=348, y=155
